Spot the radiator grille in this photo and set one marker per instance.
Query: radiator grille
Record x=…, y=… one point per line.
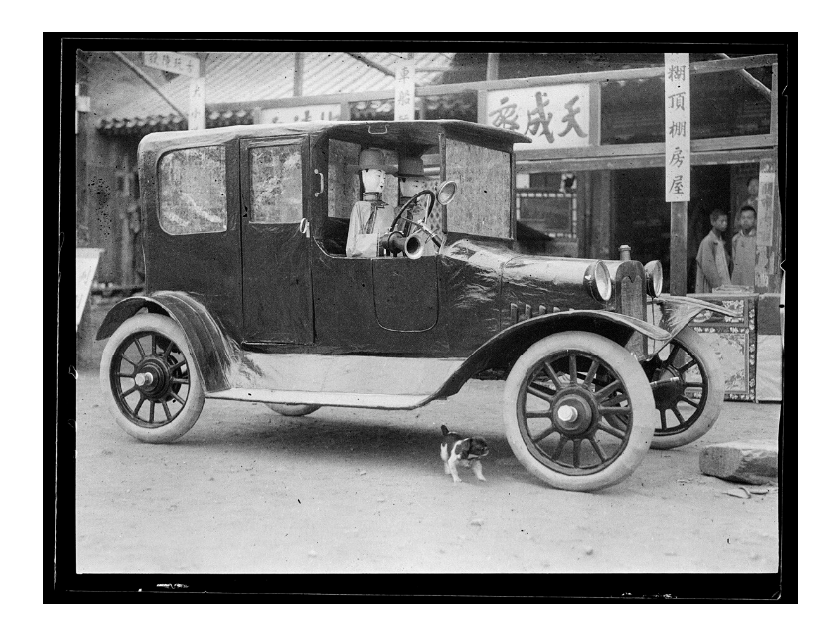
x=632, y=303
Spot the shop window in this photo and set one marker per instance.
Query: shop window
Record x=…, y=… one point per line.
x=549, y=204
x=192, y=191
x=276, y=184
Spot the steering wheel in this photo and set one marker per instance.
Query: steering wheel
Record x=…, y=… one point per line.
x=422, y=226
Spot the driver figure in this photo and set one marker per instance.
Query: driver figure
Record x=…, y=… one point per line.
x=371, y=218
x=412, y=181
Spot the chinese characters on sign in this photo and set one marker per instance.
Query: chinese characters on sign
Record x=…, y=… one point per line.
x=677, y=128
x=764, y=213
x=172, y=62
x=327, y=112
x=404, y=91
x=552, y=116
x=197, y=97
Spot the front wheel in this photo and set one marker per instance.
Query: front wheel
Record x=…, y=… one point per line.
x=292, y=409
x=151, y=379
x=579, y=412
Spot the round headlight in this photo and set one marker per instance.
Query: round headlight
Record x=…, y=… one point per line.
x=597, y=280
x=653, y=275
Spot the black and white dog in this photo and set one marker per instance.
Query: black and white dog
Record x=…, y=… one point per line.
x=461, y=451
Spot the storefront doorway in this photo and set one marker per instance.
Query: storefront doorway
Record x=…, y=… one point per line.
x=642, y=218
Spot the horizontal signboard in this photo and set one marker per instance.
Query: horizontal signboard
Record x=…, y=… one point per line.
x=172, y=62
x=318, y=112
x=552, y=116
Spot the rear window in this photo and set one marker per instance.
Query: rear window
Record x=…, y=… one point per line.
x=192, y=191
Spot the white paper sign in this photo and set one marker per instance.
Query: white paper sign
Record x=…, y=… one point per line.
x=172, y=62
x=326, y=112
x=677, y=128
x=404, y=91
x=553, y=116
x=86, y=262
x=764, y=213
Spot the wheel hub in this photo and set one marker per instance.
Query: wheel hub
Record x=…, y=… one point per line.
x=571, y=413
x=667, y=390
x=152, y=378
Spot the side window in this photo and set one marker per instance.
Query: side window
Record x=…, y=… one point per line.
x=276, y=184
x=192, y=191
x=343, y=179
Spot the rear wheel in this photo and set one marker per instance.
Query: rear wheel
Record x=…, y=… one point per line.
x=292, y=409
x=562, y=401
x=151, y=379
x=688, y=390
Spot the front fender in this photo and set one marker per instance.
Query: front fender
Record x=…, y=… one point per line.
x=214, y=352
x=503, y=349
x=678, y=311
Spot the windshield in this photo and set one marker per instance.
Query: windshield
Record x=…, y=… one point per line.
x=482, y=206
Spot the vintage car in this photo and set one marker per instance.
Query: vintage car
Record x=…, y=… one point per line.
x=250, y=297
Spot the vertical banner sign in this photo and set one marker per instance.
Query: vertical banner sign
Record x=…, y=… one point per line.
x=766, y=261
x=677, y=128
x=197, y=97
x=404, y=91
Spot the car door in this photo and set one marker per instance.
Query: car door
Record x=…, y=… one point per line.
x=276, y=289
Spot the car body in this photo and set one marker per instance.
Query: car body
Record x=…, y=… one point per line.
x=250, y=296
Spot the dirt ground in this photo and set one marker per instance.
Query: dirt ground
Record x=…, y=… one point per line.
x=344, y=490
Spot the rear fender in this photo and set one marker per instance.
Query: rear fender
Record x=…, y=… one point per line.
x=504, y=348
x=214, y=352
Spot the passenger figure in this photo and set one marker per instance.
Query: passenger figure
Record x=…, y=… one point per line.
x=413, y=181
x=712, y=259
x=743, y=249
x=370, y=219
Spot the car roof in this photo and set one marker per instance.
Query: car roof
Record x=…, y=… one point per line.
x=373, y=133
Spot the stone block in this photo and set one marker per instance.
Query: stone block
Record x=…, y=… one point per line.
x=755, y=462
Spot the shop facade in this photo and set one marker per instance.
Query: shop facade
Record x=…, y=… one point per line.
x=593, y=177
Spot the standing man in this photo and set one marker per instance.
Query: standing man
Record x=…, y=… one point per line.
x=712, y=259
x=743, y=249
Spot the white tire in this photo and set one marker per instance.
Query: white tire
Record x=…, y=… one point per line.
x=580, y=449
x=151, y=379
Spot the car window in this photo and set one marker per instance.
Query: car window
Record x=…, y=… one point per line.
x=192, y=191
x=344, y=180
x=276, y=184
x=482, y=206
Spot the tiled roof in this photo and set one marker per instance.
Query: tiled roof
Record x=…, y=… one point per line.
x=232, y=78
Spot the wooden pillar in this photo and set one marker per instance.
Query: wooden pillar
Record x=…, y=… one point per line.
x=492, y=66
x=679, y=247
x=769, y=213
x=298, y=89
x=82, y=133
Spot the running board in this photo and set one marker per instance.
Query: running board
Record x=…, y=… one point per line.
x=343, y=399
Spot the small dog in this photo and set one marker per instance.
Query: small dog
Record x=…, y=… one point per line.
x=462, y=451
